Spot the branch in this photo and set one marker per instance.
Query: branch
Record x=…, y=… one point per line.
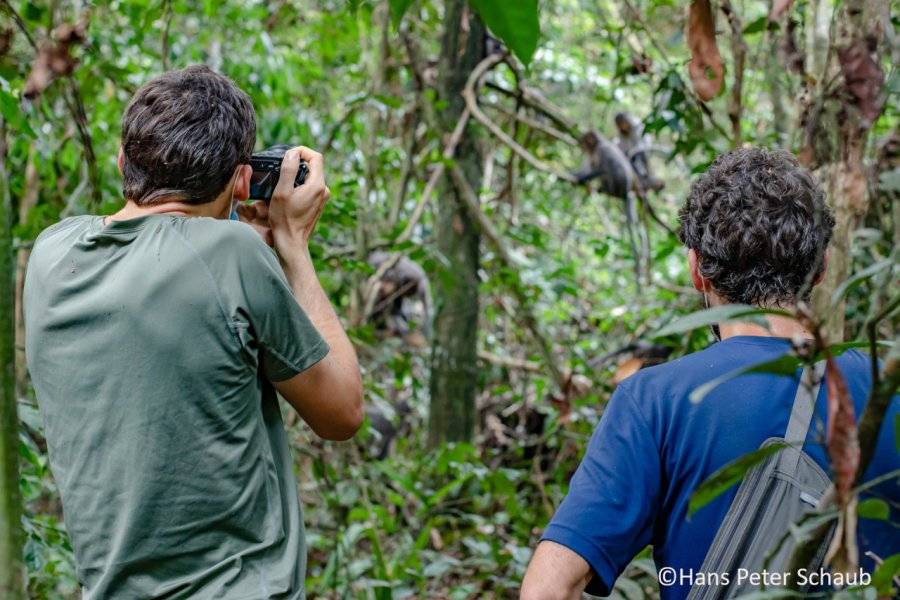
x=509, y=362
x=537, y=125
x=469, y=94
x=536, y=101
x=739, y=52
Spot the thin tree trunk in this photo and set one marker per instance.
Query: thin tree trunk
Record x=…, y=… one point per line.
x=454, y=361
x=27, y=202
x=11, y=571
x=838, y=125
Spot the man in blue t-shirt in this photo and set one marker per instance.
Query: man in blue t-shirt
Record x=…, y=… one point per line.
x=754, y=224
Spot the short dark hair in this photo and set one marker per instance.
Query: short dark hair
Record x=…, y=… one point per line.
x=759, y=224
x=183, y=135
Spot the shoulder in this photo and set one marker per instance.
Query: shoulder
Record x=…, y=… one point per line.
x=65, y=229
x=677, y=378
x=56, y=241
x=215, y=239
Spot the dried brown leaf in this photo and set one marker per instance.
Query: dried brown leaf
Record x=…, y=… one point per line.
x=706, y=68
x=54, y=58
x=863, y=80
x=841, y=440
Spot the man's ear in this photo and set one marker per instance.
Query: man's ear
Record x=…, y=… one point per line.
x=700, y=282
x=120, y=161
x=821, y=275
x=242, y=182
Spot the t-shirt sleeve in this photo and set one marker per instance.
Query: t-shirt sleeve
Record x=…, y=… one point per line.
x=270, y=322
x=608, y=515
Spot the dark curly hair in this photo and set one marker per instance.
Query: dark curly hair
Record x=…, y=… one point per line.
x=759, y=224
x=183, y=135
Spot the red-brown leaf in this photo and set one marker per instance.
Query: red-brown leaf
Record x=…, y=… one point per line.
x=843, y=445
x=54, y=58
x=706, y=68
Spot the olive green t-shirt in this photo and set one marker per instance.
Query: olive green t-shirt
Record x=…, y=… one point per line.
x=152, y=343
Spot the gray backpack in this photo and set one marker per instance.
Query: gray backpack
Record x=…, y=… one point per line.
x=773, y=495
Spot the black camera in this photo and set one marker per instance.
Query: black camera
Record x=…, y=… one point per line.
x=267, y=169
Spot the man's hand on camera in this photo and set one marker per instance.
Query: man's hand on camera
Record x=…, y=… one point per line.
x=256, y=214
x=294, y=211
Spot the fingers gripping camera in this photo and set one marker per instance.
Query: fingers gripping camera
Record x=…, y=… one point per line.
x=266, y=167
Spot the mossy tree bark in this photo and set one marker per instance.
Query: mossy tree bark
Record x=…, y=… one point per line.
x=454, y=361
x=11, y=570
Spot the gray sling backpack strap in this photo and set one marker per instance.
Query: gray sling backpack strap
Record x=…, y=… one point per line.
x=773, y=495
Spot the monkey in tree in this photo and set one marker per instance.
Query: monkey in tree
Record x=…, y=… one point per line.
x=636, y=146
x=403, y=298
x=606, y=162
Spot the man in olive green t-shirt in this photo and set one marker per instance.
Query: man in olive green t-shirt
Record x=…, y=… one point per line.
x=156, y=338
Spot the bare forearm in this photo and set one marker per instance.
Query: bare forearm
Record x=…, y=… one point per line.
x=301, y=274
x=555, y=573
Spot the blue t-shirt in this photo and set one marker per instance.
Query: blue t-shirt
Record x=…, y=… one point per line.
x=654, y=446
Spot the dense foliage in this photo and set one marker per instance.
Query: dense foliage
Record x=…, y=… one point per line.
x=355, y=79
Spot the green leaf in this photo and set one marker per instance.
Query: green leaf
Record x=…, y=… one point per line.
x=398, y=9
x=717, y=314
x=757, y=25
x=857, y=278
x=729, y=475
x=897, y=432
x=873, y=508
x=9, y=109
x=885, y=573
x=515, y=23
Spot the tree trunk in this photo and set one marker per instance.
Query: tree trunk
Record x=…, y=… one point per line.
x=26, y=203
x=838, y=120
x=11, y=570
x=454, y=360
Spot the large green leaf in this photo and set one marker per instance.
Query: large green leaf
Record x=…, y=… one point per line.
x=730, y=474
x=398, y=9
x=854, y=280
x=515, y=23
x=874, y=508
x=885, y=573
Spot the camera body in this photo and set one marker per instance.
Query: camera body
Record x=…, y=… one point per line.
x=266, y=167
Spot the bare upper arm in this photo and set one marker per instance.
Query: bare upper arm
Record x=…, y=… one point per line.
x=328, y=396
x=555, y=573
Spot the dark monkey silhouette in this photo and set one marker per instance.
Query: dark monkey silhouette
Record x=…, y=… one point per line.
x=401, y=287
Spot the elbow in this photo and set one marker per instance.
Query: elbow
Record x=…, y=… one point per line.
x=531, y=591
x=351, y=419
